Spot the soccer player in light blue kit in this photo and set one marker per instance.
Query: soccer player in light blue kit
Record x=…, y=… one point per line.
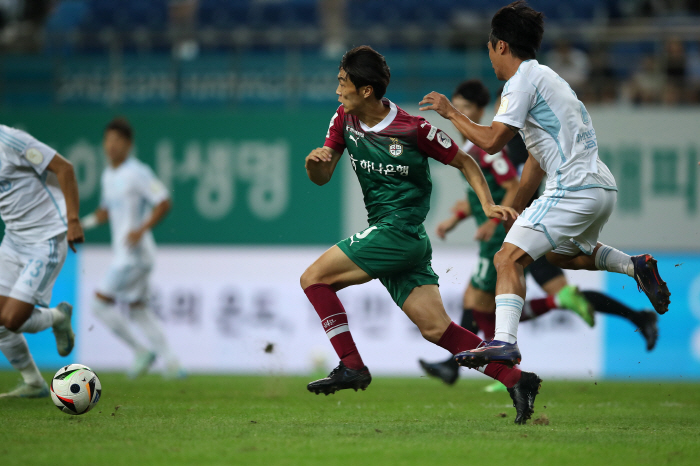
x=39, y=206
x=565, y=222
x=133, y=201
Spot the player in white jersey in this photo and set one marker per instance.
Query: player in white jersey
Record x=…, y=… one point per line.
x=565, y=222
x=39, y=206
x=129, y=187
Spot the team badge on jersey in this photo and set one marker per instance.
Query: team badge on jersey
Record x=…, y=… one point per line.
x=444, y=140
x=503, y=107
x=35, y=156
x=395, y=149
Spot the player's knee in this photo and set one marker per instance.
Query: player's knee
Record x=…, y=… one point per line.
x=503, y=259
x=12, y=323
x=431, y=331
x=308, y=278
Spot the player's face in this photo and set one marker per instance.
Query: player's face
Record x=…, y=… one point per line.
x=116, y=147
x=495, y=58
x=347, y=93
x=468, y=108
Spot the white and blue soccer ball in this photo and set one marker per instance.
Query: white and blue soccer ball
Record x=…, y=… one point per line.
x=75, y=389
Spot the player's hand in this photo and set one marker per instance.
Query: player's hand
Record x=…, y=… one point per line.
x=446, y=225
x=75, y=233
x=133, y=238
x=319, y=155
x=499, y=211
x=439, y=103
x=485, y=231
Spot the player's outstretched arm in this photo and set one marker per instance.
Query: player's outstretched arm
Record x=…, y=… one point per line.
x=159, y=212
x=529, y=182
x=475, y=177
x=69, y=186
x=98, y=217
x=490, y=138
x=320, y=164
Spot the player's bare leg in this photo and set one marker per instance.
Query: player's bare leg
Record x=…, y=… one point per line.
x=642, y=268
x=14, y=347
x=331, y=272
x=424, y=307
x=23, y=317
x=477, y=305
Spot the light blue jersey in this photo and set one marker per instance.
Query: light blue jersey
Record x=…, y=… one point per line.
x=556, y=128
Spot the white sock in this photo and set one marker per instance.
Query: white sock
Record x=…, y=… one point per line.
x=508, y=310
x=41, y=319
x=110, y=316
x=145, y=318
x=14, y=347
x=612, y=260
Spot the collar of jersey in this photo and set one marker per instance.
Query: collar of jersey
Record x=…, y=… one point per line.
x=384, y=123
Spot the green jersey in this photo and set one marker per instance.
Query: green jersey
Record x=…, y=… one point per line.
x=391, y=162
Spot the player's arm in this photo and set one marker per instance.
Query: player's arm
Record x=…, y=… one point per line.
x=69, y=187
x=490, y=138
x=460, y=211
x=487, y=229
x=475, y=178
x=157, y=215
x=97, y=218
x=320, y=164
x=529, y=183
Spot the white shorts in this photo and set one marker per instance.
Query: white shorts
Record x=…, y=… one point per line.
x=127, y=282
x=566, y=222
x=28, y=271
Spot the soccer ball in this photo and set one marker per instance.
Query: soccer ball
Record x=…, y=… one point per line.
x=75, y=389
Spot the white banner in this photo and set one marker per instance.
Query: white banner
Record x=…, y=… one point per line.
x=222, y=307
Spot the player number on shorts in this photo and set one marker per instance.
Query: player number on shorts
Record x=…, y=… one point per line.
x=483, y=268
x=37, y=264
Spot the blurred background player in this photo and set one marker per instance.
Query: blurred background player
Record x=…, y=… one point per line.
x=471, y=98
x=128, y=187
x=39, y=206
x=389, y=151
x=581, y=192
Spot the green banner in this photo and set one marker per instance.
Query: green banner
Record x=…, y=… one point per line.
x=235, y=176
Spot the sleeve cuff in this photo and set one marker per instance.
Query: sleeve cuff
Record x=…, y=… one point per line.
x=334, y=145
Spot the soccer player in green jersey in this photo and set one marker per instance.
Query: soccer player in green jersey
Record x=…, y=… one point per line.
x=389, y=151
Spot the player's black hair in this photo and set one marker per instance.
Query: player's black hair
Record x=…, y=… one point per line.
x=122, y=126
x=521, y=27
x=366, y=67
x=474, y=91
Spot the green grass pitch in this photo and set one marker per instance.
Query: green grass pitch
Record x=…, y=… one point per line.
x=238, y=420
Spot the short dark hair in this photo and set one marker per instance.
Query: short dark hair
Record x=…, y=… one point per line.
x=474, y=91
x=122, y=126
x=367, y=67
x=521, y=27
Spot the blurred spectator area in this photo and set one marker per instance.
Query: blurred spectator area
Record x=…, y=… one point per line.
x=230, y=52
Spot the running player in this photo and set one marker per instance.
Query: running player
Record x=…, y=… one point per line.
x=39, y=206
x=565, y=223
x=128, y=186
x=470, y=98
x=389, y=151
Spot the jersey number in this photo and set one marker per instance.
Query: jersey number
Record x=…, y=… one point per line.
x=483, y=268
